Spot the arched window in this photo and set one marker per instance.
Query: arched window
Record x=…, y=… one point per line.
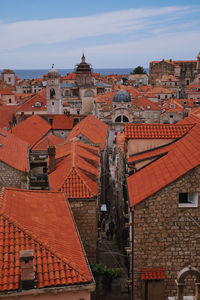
x=118, y=119
x=52, y=93
x=67, y=93
x=125, y=119
x=89, y=93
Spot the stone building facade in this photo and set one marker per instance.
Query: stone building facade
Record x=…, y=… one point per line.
x=86, y=216
x=12, y=177
x=166, y=235
x=184, y=71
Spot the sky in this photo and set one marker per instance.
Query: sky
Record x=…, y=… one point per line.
x=111, y=33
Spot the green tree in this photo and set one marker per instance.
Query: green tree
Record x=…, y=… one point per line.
x=138, y=70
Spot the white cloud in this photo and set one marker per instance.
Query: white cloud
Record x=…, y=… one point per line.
x=21, y=34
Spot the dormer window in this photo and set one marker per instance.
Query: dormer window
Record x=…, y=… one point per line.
x=38, y=104
x=148, y=107
x=172, y=105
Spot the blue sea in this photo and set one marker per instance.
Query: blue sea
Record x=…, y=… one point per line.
x=38, y=73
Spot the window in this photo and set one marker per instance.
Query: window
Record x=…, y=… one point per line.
x=10, y=100
x=38, y=104
x=89, y=93
x=52, y=103
x=188, y=199
x=78, y=112
x=52, y=93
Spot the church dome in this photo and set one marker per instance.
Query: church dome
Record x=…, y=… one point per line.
x=53, y=73
x=122, y=96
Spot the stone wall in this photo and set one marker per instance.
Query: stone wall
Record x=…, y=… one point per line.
x=85, y=215
x=167, y=236
x=183, y=70
x=11, y=177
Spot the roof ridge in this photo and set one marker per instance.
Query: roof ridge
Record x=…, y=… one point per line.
x=38, y=241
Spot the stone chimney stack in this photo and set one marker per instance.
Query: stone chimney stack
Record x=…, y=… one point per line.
x=27, y=268
x=52, y=159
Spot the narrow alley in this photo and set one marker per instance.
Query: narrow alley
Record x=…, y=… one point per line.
x=109, y=253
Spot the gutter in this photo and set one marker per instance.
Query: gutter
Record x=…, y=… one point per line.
x=90, y=287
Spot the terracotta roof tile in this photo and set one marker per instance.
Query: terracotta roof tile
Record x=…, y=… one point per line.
x=40, y=221
x=37, y=102
x=77, y=174
x=13, y=151
x=32, y=130
x=6, y=114
x=49, y=140
x=91, y=128
x=191, y=119
x=155, y=131
x=182, y=156
x=6, y=92
x=63, y=122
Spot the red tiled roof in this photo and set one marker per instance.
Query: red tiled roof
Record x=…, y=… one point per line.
x=161, y=90
x=191, y=119
x=6, y=92
x=155, y=131
x=183, y=156
x=40, y=221
x=149, y=154
x=32, y=130
x=63, y=122
x=67, y=147
x=91, y=128
x=77, y=174
x=6, y=113
x=31, y=103
x=152, y=274
x=146, y=103
x=70, y=76
x=13, y=151
x=49, y=140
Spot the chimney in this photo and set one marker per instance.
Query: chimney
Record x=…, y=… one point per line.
x=52, y=160
x=27, y=269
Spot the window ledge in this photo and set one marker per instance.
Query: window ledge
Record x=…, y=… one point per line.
x=187, y=205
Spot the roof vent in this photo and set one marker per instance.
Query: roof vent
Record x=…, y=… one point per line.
x=27, y=269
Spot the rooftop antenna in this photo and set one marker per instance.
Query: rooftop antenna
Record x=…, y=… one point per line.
x=52, y=66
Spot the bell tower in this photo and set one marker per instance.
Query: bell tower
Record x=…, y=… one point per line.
x=54, y=101
x=84, y=73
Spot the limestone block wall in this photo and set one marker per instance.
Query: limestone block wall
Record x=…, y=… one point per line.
x=11, y=177
x=167, y=236
x=85, y=215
